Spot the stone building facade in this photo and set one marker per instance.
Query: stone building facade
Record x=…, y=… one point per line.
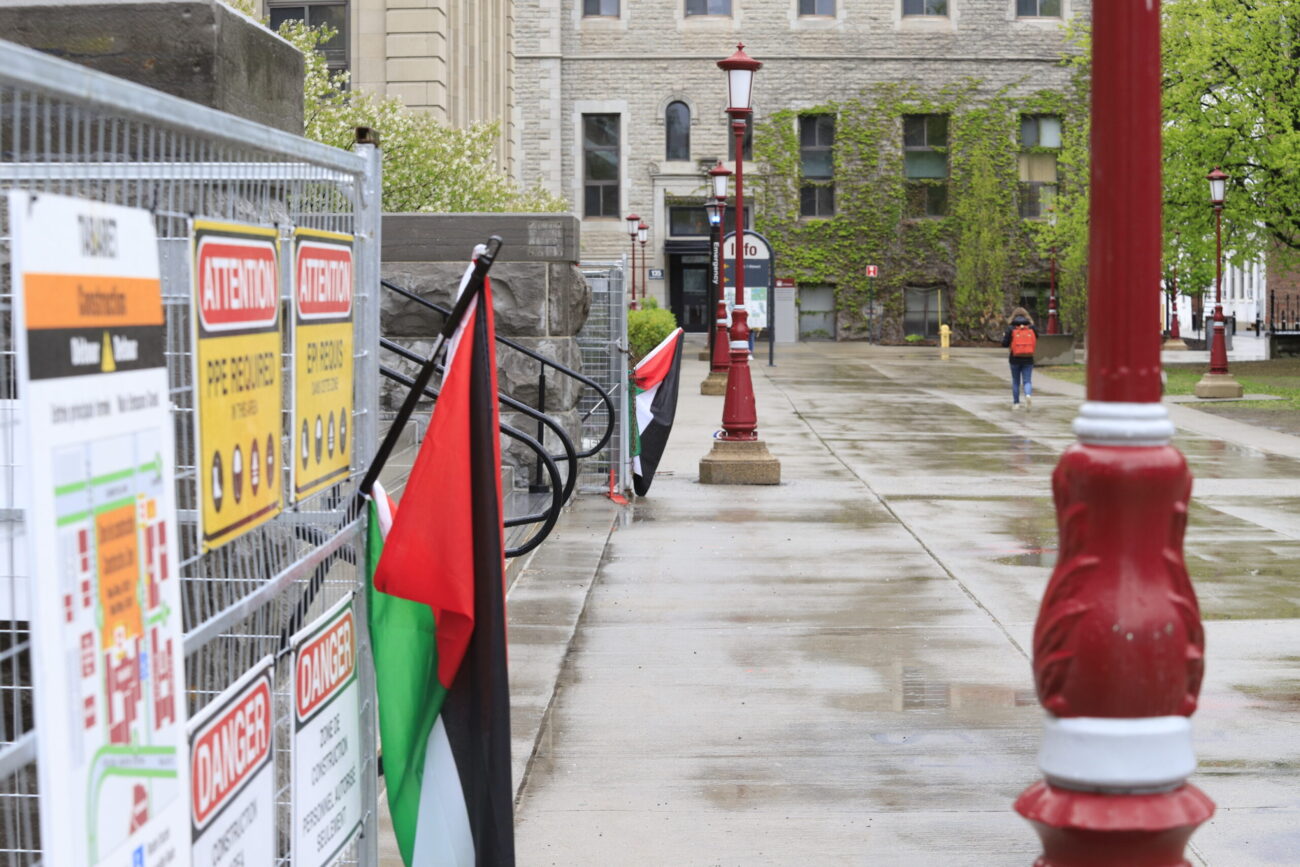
x=452, y=58
x=642, y=66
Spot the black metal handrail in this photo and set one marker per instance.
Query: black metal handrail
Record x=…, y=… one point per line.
x=547, y=518
x=570, y=455
x=602, y=395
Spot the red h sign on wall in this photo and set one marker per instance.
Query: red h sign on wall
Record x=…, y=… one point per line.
x=873, y=270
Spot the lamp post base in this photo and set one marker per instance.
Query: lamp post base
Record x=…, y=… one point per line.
x=715, y=383
x=1218, y=385
x=1173, y=344
x=746, y=462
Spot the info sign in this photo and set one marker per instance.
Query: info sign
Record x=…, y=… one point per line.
x=232, y=789
x=758, y=275
x=327, y=746
x=106, y=624
x=322, y=359
x=237, y=345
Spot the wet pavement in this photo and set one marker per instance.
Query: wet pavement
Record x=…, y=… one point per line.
x=835, y=670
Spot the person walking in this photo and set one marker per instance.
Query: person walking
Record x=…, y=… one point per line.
x=1021, y=338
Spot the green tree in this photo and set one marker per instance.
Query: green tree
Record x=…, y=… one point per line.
x=428, y=166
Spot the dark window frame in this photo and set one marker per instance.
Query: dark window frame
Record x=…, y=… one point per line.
x=707, y=7
x=925, y=8
x=681, y=148
x=1033, y=203
x=339, y=59
x=816, y=8
x=817, y=147
x=926, y=196
x=604, y=208
x=1034, y=8
x=599, y=8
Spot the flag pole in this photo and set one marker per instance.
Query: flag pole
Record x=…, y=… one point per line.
x=481, y=266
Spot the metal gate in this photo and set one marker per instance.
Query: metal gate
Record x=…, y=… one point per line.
x=71, y=131
x=603, y=342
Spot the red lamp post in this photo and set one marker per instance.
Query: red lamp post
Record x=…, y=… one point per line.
x=1174, y=331
x=739, y=417
x=1218, y=382
x=1053, y=323
x=633, y=221
x=642, y=235
x=1118, y=644
x=720, y=356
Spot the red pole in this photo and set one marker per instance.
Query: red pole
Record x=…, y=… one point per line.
x=1053, y=324
x=1219, y=345
x=720, y=359
x=633, y=272
x=739, y=416
x=1118, y=644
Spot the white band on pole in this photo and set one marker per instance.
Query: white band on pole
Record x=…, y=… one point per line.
x=1142, y=754
x=740, y=344
x=1123, y=424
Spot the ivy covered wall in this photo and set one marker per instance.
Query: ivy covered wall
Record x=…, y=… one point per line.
x=978, y=255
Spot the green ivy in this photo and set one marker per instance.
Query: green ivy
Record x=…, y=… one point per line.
x=978, y=254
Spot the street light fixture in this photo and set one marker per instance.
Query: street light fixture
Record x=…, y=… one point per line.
x=642, y=235
x=632, y=222
x=1218, y=382
x=719, y=356
x=738, y=457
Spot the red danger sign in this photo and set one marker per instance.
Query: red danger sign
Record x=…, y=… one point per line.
x=229, y=749
x=238, y=283
x=873, y=270
x=324, y=280
x=325, y=665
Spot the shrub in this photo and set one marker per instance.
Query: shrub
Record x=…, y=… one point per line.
x=647, y=327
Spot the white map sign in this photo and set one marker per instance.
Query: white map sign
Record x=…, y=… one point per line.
x=101, y=533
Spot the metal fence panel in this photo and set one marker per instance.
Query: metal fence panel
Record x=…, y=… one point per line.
x=603, y=342
x=67, y=130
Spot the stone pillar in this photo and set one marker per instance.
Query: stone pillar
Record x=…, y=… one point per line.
x=540, y=298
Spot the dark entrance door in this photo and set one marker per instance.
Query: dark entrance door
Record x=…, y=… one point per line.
x=688, y=291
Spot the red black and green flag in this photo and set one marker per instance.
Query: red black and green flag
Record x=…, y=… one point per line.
x=438, y=624
x=654, y=398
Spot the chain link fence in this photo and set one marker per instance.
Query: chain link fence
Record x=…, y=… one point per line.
x=603, y=342
x=71, y=131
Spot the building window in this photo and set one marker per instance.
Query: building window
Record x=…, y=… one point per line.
x=677, y=131
x=925, y=164
x=708, y=7
x=922, y=310
x=749, y=139
x=592, y=8
x=1038, y=8
x=817, y=163
x=1034, y=298
x=925, y=7
x=816, y=7
x=1040, y=142
x=331, y=13
x=600, y=165
x=692, y=221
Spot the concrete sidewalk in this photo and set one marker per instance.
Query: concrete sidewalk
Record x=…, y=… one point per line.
x=835, y=670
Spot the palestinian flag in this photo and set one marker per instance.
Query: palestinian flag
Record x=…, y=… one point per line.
x=438, y=624
x=654, y=396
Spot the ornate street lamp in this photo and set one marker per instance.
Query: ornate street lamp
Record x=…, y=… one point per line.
x=1118, y=644
x=1053, y=324
x=642, y=235
x=633, y=221
x=1218, y=382
x=719, y=356
x=738, y=456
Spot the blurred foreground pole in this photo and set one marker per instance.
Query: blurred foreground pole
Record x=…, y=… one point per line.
x=1118, y=645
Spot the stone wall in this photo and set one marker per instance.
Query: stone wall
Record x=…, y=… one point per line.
x=651, y=54
x=200, y=50
x=540, y=299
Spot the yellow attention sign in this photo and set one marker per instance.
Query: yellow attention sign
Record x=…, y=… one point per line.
x=237, y=344
x=322, y=359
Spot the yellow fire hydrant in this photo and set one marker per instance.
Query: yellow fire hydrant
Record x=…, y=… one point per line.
x=945, y=340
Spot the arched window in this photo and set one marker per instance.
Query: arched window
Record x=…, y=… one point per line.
x=677, y=131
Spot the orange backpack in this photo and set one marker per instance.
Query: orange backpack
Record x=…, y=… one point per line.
x=1023, y=340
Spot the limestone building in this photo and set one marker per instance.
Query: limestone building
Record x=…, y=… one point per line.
x=620, y=108
x=452, y=58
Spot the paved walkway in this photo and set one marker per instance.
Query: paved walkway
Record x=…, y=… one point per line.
x=835, y=670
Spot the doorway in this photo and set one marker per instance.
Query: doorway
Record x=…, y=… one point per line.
x=688, y=291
